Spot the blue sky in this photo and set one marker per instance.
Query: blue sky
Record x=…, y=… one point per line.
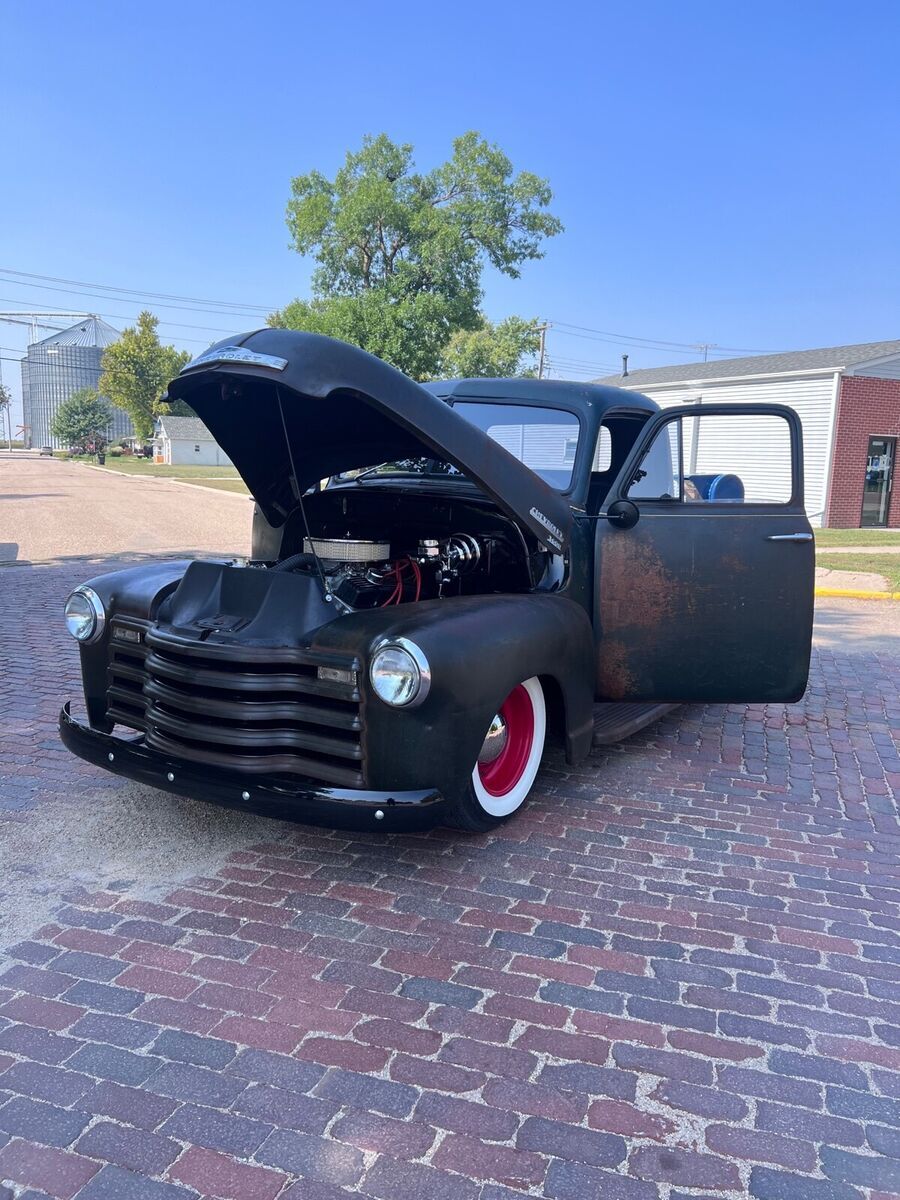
x=726, y=173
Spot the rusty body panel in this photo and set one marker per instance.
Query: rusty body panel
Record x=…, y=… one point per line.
x=704, y=603
x=675, y=622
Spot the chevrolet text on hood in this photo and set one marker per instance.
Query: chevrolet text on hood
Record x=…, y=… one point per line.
x=421, y=610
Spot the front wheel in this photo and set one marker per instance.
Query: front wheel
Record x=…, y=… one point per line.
x=508, y=761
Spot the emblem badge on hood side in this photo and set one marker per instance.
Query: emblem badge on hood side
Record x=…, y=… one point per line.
x=236, y=354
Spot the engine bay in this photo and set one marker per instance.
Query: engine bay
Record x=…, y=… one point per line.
x=374, y=547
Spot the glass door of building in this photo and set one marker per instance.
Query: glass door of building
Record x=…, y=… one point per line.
x=877, y=489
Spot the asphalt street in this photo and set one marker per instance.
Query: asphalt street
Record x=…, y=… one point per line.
x=52, y=510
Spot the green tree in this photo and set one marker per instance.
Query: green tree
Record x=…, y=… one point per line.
x=83, y=421
x=504, y=349
x=400, y=253
x=136, y=370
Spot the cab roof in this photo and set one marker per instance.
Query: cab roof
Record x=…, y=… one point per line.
x=590, y=400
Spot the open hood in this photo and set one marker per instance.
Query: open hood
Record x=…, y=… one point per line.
x=340, y=409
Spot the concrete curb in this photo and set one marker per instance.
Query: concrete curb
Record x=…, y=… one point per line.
x=162, y=479
x=857, y=594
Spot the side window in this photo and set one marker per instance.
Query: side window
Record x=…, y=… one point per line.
x=659, y=475
x=718, y=458
x=603, y=451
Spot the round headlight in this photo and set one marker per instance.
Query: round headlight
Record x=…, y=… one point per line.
x=85, y=614
x=400, y=673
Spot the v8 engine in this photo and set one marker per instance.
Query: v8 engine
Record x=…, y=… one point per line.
x=362, y=573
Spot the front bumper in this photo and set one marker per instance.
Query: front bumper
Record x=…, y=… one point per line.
x=293, y=799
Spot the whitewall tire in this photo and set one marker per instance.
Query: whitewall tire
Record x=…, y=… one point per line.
x=509, y=760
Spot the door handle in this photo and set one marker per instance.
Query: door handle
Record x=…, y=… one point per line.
x=789, y=537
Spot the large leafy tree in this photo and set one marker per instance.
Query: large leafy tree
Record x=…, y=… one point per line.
x=136, y=370
x=83, y=421
x=492, y=350
x=400, y=253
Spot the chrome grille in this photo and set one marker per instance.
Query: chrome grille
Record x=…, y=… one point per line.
x=127, y=672
x=252, y=709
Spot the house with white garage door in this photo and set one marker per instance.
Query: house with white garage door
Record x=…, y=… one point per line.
x=848, y=401
x=185, y=441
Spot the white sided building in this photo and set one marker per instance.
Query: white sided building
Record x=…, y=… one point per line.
x=184, y=442
x=848, y=401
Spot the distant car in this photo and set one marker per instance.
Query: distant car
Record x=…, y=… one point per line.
x=488, y=558
x=46, y=451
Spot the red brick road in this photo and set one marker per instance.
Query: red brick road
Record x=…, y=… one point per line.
x=676, y=976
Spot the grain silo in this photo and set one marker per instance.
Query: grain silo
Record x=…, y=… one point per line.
x=57, y=367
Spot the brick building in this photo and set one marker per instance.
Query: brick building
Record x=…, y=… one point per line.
x=848, y=400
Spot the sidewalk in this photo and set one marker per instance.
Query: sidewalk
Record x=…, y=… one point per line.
x=58, y=510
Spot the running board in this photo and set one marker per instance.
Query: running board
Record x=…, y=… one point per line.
x=614, y=722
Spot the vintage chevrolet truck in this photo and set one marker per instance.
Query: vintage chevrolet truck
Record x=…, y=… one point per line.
x=442, y=578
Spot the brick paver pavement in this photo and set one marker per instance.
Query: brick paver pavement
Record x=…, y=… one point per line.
x=676, y=976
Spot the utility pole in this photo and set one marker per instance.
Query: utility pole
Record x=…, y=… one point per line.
x=705, y=347
x=542, y=330
x=5, y=406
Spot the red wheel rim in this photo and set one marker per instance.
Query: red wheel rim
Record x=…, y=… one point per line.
x=502, y=775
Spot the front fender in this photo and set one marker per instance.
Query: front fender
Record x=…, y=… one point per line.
x=478, y=648
x=132, y=592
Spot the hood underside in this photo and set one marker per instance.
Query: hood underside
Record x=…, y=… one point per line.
x=292, y=408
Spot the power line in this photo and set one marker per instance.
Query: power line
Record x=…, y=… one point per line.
x=620, y=339
x=78, y=366
x=590, y=369
x=218, y=312
x=241, y=308
x=620, y=342
x=582, y=362
x=106, y=287
x=167, y=324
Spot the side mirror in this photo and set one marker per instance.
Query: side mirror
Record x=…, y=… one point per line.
x=623, y=514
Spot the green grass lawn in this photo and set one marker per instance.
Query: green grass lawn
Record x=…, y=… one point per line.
x=857, y=537
x=225, y=479
x=887, y=565
x=143, y=466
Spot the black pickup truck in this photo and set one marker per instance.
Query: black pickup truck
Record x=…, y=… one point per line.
x=441, y=579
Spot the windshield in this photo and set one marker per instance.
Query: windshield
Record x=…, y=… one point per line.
x=544, y=439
